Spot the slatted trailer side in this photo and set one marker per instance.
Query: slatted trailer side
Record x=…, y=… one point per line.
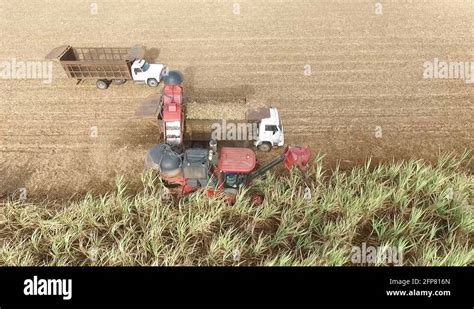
x=103, y=64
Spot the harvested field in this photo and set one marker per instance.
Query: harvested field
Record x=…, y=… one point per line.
x=347, y=81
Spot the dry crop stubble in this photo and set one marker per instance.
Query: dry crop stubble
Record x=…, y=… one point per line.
x=366, y=72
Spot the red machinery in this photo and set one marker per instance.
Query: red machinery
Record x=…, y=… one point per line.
x=200, y=168
x=185, y=171
x=172, y=114
x=167, y=109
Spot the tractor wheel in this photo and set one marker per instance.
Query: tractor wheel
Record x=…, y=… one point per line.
x=230, y=195
x=119, y=81
x=102, y=84
x=265, y=147
x=256, y=198
x=152, y=82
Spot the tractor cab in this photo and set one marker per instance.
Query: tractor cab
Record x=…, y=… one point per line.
x=234, y=166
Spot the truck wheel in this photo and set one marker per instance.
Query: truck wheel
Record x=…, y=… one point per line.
x=265, y=147
x=119, y=81
x=152, y=82
x=102, y=84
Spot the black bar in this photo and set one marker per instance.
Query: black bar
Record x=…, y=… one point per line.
x=341, y=285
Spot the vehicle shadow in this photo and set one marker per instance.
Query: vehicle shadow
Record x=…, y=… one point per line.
x=151, y=55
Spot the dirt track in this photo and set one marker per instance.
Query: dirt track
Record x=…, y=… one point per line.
x=366, y=71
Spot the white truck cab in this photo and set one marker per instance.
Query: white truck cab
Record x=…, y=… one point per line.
x=270, y=131
x=150, y=74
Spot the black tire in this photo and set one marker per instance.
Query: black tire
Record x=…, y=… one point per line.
x=119, y=81
x=265, y=147
x=173, y=78
x=102, y=84
x=256, y=197
x=152, y=82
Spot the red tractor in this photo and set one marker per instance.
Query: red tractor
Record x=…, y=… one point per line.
x=217, y=173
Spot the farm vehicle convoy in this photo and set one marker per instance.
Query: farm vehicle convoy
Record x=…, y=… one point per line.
x=182, y=161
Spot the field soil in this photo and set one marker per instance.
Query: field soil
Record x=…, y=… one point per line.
x=347, y=81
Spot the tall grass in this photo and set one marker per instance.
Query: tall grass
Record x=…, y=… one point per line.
x=426, y=211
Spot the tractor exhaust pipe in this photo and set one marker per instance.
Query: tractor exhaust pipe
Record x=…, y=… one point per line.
x=212, y=150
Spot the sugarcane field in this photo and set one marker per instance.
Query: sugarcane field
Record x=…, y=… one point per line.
x=236, y=133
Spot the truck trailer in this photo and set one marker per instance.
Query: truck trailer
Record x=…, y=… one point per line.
x=180, y=121
x=108, y=64
x=262, y=126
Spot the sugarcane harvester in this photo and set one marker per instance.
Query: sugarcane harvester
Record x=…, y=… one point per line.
x=215, y=171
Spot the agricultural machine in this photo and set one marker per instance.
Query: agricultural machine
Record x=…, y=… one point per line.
x=107, y=65
x=167, y=110
x=188, y=169
x=223, y=172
